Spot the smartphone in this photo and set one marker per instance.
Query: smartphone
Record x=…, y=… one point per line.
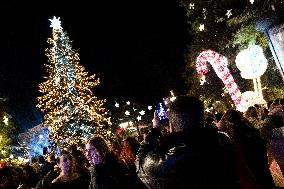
x=161, y=110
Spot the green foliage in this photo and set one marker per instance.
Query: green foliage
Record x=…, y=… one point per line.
x=7, y=134
x=248, y=35
x=274, y=92
x=225, y=35
x=210, y=91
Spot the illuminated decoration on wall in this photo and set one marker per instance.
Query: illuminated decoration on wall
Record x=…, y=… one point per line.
x=68, y=103
x=219, y=64
x=252, y=64
x=34, y=140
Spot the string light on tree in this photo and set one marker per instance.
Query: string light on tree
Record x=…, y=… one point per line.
x=173, y=97
x=191, y=6
x=229, y=13
x=116, y=105
x=142, y=112
x=127, y=113
x=204, y=13
x=202, y=80
x=201, y=27
x=251, y=1
x=5, y=120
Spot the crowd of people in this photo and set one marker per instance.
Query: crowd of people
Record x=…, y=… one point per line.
x=193, y=149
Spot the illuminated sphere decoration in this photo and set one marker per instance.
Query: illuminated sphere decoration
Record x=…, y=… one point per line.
x=251, y=62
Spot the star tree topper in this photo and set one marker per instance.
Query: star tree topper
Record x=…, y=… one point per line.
x=55, y=23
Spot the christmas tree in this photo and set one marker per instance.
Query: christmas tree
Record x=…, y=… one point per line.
x=70, y=109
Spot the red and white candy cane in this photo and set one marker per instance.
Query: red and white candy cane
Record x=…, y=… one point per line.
x=219, y=64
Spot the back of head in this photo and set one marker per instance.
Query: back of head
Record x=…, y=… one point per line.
x=72, y=148
x=186, y=112
x=41, y=159
x=251, y=112
x=131, y=143
x=233, y=116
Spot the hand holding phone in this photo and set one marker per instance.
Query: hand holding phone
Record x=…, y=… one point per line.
x=156, y=120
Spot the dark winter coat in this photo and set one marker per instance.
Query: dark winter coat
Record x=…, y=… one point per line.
x=108, y=175
x=201, y=158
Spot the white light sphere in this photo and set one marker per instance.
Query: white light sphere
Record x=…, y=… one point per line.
x=251, y=62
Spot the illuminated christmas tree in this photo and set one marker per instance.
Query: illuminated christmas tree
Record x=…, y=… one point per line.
x=70, y=109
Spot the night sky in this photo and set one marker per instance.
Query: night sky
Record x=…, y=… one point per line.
x=136, y=48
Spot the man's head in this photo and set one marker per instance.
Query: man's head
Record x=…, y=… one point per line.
x=186, y=113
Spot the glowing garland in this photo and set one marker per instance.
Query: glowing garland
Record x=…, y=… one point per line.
x=219, y=64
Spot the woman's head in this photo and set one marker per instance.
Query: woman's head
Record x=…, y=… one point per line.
x=96, y=150
x=130, y=147
x=65, y=163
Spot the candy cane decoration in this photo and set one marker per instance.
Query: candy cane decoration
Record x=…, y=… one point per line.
x=219, y=64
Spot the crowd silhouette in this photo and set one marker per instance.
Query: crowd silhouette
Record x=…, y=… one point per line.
x=193, y=149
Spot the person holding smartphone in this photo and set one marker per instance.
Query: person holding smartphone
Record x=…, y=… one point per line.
x=190, y=156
